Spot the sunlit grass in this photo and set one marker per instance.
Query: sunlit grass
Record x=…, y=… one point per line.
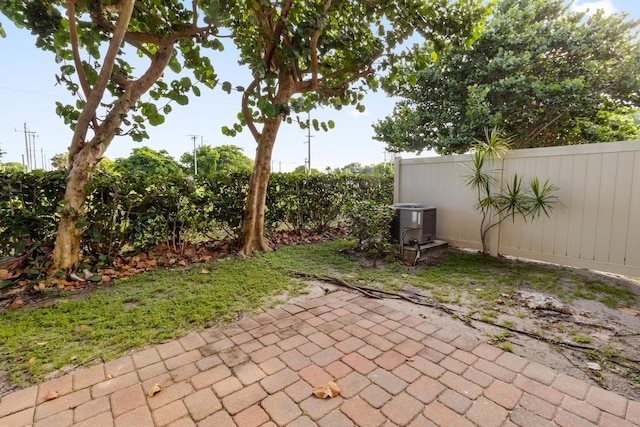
x=152, y=307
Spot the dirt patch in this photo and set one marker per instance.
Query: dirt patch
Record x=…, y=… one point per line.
x=580, y=337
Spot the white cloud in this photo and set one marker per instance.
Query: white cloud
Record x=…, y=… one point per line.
x=592, y=6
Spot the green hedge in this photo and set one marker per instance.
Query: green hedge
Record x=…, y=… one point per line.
x=138, y=211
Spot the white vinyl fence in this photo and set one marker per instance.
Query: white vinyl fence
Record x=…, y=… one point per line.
x=596, y=227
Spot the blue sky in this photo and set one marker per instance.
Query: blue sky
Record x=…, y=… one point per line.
x=28, y=93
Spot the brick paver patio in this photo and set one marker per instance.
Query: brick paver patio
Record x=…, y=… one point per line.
x=392, y=369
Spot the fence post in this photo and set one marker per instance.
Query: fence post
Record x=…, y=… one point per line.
x=397, y=163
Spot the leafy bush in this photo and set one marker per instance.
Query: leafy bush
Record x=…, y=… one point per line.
x=29, y=206
x=369, y=223
x=137, y=210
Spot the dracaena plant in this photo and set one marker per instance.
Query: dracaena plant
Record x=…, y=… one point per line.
x=515, y=200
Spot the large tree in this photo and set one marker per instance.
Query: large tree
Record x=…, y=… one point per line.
x=212, y=160
x=321, y=52
x=544, y=74
x=109, y=83
x=148, y=161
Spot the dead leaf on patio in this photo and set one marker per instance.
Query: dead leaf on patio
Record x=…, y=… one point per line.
x=154, y=390
x=330, y=389
x=629, y=311
x=601, y=336
x=594, y=366
x=51, y=395
x=410, y=359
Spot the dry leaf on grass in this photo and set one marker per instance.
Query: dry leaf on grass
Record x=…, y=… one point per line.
x=17, y=302
x=330, y=389
x=154, y=390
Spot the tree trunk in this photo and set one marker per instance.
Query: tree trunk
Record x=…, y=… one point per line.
x=84, y=157
x=253, y=221
x=66, y=251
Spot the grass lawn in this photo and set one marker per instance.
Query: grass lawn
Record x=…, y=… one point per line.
x=68, y=330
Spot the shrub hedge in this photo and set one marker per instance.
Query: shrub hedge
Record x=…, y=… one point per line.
x=137, y=211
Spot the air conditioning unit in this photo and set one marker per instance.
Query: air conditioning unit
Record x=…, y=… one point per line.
x=413, y=223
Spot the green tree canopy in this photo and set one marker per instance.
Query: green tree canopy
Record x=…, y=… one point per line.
x=544, y=74
x=211, y=160
x=12, y=167
x=379, y=169
x=304, y=54
x=148, y=161
x=112, y=54
x=59, y=161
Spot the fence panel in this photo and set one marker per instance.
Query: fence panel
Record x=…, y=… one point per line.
x=597, y=226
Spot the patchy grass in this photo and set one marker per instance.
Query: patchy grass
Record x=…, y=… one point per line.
x=145, y=309
x=152, y=307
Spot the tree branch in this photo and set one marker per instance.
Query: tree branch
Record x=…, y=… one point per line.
x=93, y=101
x=245, y=110
x=277, y=33
x=313, y=48
x=73, y=35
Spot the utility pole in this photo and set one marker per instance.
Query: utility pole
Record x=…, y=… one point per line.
x=29, y=151
x=308, y=159
x=195, y=154
x=34, y=158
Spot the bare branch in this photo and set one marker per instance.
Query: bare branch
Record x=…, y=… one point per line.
x=93, y=101
x=73, y=35
x=245, y=109
x=313, y=47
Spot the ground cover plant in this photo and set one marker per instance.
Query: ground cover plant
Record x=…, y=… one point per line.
x=596, y=322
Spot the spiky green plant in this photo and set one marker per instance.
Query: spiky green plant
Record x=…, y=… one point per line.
x=497, y=205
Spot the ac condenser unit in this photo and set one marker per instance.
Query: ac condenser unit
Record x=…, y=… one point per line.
x=413, y=223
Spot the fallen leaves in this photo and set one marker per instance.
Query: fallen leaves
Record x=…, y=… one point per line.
x=330, y=390
x=17, y=302
x=629, y=311
x=5, y=274
x=154, y=390
x=51, y=395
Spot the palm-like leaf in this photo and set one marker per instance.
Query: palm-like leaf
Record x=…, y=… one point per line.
x=477, y=178
x=541, y=199
x=513, y=201
x=495, y=144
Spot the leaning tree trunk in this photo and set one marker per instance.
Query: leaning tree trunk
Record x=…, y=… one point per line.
x=84, y=157
x=66, y=252
x=253, y=221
